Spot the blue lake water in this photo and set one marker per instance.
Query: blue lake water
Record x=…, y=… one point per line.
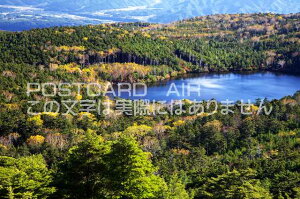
x=231, y=86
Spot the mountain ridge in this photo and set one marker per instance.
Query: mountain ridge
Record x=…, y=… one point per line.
x=20, y=15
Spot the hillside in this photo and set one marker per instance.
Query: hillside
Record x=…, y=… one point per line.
x=76, y=145
x=212, y=43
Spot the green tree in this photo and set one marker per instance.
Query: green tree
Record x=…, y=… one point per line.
x=235, y=185
x=82, y=174
x=109, y=169
x=131, y=172
x=286, y=183
x=26, y=177
x=176, y=189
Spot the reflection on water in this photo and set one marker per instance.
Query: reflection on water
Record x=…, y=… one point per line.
x=231, y=86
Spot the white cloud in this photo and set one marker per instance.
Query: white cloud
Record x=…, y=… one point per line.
x=103, y=14
x=108, y=12
x=155, y=2
x=130, y=8
x=76, y=17
x=69, y=16
x=21, y=8
x=143, y=18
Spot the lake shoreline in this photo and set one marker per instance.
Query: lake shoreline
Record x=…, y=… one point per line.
x=238, y=85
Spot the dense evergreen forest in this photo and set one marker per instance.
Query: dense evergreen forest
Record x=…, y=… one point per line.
x=87, y=155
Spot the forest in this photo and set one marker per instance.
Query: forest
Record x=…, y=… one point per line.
x=209, y=155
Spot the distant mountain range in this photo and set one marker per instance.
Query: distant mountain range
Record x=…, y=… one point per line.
x=24, y=14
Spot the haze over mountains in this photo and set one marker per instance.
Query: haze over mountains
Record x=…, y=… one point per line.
x=24, y=14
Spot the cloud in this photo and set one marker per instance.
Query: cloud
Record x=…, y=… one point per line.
x=21, y=8
x=130, y=8
x=110, y=12
x=155, y=2
x=143, y=18
x=102, y=14
x=76, y=17
x=69, y=16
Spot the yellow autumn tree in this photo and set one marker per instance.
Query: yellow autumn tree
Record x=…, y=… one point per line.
x=78, y=97
x=216, y=124
x=36, y=120
x=70, y=68
x=71, y=48
x=35, y=140
x=125, y=71
x=138, y=131
x=178, y=123
x=83, y=115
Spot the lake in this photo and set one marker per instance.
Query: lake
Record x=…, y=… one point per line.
x=231, y=86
